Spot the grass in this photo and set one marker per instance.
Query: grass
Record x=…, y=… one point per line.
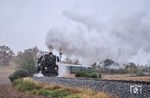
x=56, y=91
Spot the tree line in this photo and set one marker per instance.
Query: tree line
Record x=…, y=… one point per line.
x=7, y=55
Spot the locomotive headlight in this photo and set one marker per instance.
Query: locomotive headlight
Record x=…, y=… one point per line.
x=46, y=68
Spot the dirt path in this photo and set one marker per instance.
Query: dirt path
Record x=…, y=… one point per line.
x=5, y=71
x=126, y=77
x=6, y=91
x=4, y=78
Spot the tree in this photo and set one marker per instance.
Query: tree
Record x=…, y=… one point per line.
x=108, y=62
x=106, y=65
x=28, y=59
x=6, y=55
x=131, y=68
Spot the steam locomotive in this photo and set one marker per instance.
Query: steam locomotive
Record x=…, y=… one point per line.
x=47, y=65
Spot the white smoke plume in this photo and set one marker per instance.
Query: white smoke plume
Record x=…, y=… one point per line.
x=87, y=37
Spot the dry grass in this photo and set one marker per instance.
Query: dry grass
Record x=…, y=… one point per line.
x=126, y=77
x=80, y=92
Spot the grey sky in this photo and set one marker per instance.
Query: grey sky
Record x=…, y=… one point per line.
x=25, y=23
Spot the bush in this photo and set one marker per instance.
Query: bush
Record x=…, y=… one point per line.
x=87, y=74
x=93, y=75
x=24, y=85
x=140, y=73
x=80, y=74
x=27, y=60
x=18, y=74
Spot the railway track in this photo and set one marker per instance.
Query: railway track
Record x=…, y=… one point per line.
x=123, y=81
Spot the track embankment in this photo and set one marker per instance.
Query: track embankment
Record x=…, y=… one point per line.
x=120, y=88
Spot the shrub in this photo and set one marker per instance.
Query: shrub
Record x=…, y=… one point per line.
x=87, y=74
x=140, y=73
x=18, y=74
x=80, y=74
x=15, y=82
x=93, y=75
x=27, y=60
x=25, y=85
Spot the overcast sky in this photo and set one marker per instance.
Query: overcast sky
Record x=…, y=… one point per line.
x=25, y=23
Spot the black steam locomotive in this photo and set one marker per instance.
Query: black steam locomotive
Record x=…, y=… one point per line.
x=47, y=65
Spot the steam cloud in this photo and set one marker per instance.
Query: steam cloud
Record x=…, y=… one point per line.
x=121, y=38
